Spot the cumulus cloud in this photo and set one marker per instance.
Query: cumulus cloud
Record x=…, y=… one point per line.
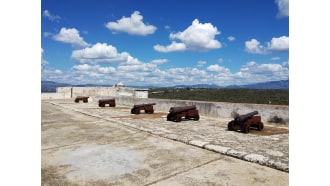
x=217, y=68
x=106, y=70
x=253, y=46
x=201, y=63
x=51, y=17
x=150, y=74
x=283, y=8
x=70, y=36
x=197, y=36
x=43, y=61
x=255, y=72
x=231, y=38
x=83, y=67
x=100, y=53
x=280, y=44
x=132, y=25
x=159, y=61
x=174, y=47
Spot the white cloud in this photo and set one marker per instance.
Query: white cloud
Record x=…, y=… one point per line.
x=253, y=72
x=217, y=68
x=283, y=8
x=275, y=58
x=43, y=61
x=50, y=16
x=231, y=38
x=201, y=63
x=197, y=36
x=71, y=36
x=47, y=34
x=253, y=46
x=83, y=67
x=220, y=60
x=58, y=71
x=280, y=44
x=132, y=25
x=174, y=47
x=100, y=53
x=106, y=70
x=159, y=61
x=132, y=72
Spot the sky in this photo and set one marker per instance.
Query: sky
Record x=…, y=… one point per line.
x=164, y=42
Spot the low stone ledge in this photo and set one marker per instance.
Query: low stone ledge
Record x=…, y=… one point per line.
x=236, y=154
x=217, y=148
x=198, y=143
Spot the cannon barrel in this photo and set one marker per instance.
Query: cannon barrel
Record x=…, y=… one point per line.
x=246, y=116
x=144, y=104
x=182, y=109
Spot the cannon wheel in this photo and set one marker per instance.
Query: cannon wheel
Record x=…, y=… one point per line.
x=260, y=126
x=230, y=125
x=149, y=111
x=178, y=118
x=170, y=118
x=196, y=118
x=246, y=128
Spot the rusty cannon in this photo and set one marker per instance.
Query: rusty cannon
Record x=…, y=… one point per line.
x=245, y=122
x=103, y=102
x=147, y=107
x=81, y=98
x=189, y=112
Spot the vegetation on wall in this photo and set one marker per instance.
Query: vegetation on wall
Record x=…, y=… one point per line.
x=233, y=95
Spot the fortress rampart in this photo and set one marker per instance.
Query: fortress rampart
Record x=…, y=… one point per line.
x=130, y=96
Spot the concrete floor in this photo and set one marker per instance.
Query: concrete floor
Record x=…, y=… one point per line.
x=83, y=144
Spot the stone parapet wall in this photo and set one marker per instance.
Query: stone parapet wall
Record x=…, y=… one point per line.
x=214, y=109
x=127, y=96
x=53, y=95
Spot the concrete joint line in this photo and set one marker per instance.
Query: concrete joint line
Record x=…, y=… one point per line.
x=184, y=171
x=64, y=146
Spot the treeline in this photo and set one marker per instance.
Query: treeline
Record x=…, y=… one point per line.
x=233, y=95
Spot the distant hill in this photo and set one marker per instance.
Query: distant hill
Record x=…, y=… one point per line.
x=283, y=84
x=50, y=86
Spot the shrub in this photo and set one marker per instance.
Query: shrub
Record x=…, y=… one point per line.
x=276, y=119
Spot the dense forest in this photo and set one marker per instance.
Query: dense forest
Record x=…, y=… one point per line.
x=234, y=95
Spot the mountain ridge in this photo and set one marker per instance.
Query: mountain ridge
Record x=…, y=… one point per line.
x=50, y=86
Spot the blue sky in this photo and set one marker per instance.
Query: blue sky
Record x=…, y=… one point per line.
x=164, y=43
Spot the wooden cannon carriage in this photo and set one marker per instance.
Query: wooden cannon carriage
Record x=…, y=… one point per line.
x=188, y=112
x=103, y=102
x=81, y=98
x=148, y=108
x=245, y=122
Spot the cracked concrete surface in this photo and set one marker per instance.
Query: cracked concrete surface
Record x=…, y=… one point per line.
x=83, y=144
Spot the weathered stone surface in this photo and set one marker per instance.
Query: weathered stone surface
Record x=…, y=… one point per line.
x=161, y=152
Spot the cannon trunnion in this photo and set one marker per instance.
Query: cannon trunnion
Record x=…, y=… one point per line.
x=148, y=108
x=245, y=122
x=188, y=112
